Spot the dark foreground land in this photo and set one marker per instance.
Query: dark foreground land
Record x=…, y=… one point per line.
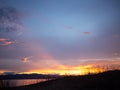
x=104, y=81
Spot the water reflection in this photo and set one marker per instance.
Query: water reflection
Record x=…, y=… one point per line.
x=20, y=82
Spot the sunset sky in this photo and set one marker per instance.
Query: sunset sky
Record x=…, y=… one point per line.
x=59, y=36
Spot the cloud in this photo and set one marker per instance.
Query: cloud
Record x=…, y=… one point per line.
x=5, y=41
x=86, y=33
x=10, y=19
x=26, y=59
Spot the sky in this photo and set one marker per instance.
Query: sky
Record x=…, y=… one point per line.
x=59, y=36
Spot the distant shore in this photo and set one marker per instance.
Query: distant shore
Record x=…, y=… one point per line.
x=28, y=76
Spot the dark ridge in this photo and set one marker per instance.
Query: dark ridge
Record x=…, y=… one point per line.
x=27, y=76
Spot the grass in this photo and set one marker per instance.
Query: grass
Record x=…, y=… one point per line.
x=104, y=81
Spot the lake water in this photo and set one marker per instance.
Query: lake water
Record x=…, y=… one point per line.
x=20, y=82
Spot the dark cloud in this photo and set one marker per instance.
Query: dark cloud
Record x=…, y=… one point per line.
x=10, y=19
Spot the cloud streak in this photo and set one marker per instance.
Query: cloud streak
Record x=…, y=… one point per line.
x=86, y=33
x=5, y=42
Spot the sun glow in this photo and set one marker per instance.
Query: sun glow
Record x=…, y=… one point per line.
x=77, y=70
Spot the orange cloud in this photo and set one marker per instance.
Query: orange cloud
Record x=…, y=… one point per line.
x=5, y=41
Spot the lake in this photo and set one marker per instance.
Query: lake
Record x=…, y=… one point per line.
x=20, y=82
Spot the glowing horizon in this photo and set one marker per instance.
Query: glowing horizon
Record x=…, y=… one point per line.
x=75, y=70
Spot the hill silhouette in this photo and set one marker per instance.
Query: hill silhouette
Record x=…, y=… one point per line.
x=109, y=80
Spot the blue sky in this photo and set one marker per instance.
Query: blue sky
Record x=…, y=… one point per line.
x=70, y=31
